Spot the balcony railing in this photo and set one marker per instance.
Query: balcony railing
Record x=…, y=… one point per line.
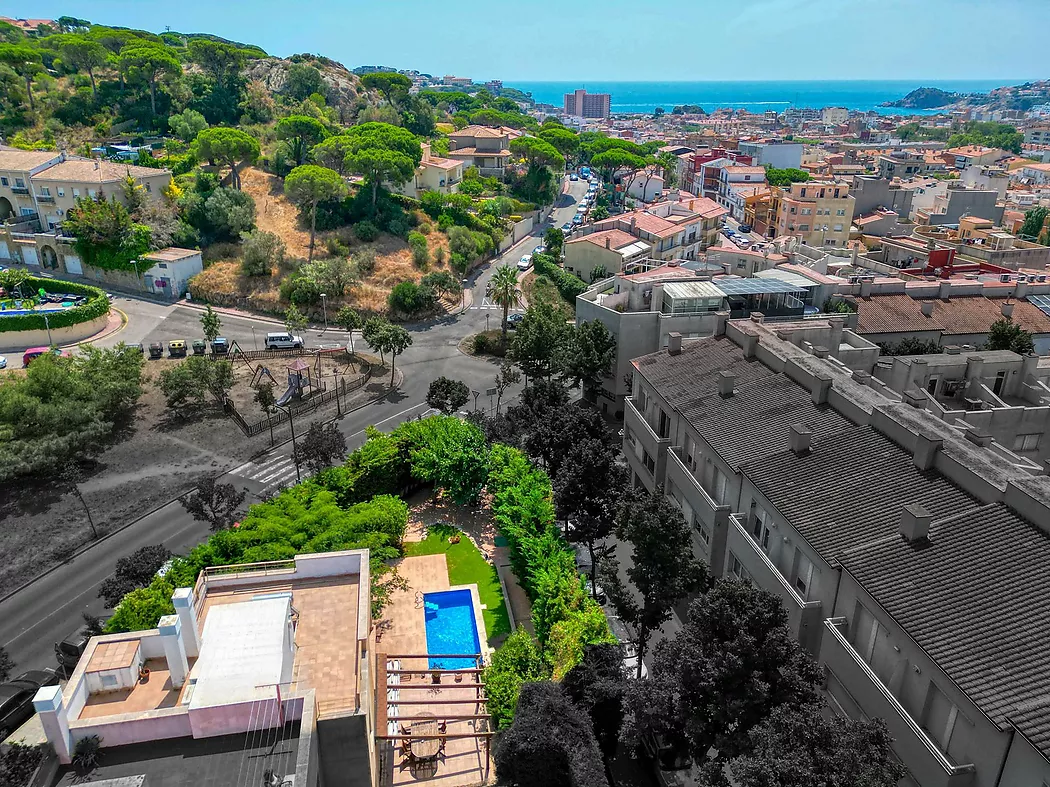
x=922, y=757
x=20, y=190
x=45, y=198
x=803, y=616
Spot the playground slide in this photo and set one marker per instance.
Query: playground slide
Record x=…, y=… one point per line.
x=293, y=389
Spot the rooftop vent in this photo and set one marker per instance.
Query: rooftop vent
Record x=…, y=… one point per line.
x=674, y=344
x=726, y=384
x=915, y=524
x=801, y=439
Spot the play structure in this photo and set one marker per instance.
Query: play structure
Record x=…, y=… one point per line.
x=300, y=378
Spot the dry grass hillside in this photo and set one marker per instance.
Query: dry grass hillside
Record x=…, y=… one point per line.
x=223, y=284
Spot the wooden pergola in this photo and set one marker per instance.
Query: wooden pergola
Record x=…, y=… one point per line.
x=468, y=691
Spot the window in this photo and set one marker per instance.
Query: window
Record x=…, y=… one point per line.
x=1026, y=442
x=803, y=574
x=92, y=193
x=19, y=183
x=864, y=632
x=45, y=191
x=76, y=193
x=838, y=228
x=643, y=400
x=840, y=212
x=109, y=681
x=3, y=181
x=687, y=451
x=664, y=428
x=806, y=211
x=628, y=435
x=803, y=227
x=737, y=570
x=61, y=192
x=650, y=465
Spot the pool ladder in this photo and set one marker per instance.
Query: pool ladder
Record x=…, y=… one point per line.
x=419, y=599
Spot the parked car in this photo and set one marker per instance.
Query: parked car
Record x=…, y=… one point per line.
x=566, y=227
x=744, y=228
x=16, y=697
x=3, y=362
x=525, y=262
x=35, y=352
x=541, y=249
x=220, y=346
x=69, y=651
x=573, y=176
x=282, y=341
x=514, y=320
x=577, y=219
x=628, y=646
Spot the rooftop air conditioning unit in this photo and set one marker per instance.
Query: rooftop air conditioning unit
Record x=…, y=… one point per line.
x=1004, y=278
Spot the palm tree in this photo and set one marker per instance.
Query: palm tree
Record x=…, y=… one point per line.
x=504, y=291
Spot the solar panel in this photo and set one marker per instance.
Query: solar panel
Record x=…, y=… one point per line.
x=756, y=286
x=1041, y=302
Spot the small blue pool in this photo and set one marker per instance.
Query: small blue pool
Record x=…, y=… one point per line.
x=451, y=628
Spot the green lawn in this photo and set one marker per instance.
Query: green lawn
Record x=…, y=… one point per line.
x=467, y=566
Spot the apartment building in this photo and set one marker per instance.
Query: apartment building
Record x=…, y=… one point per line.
x=676, y=229
x=880, y=526
x=649, y=302
x=582, y=104
x=46, y=185
x=906, y=164
x=737, y=184
x=1037, y=135
x=834, y=116
x=957, y=201
x=817, y=212
x=970, y=155
x=270, y=658
x=782, y=155
x=486, y=148
x=705, y=171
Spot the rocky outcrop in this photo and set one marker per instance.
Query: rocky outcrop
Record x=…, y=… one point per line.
x=925, y=98
x=344, y=88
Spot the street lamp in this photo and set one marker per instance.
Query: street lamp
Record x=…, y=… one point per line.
x=48, y=326
x=255, y=339
x=324, y=308
x=295, y=455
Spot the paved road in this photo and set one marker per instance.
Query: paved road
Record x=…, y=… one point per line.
x=33, y=619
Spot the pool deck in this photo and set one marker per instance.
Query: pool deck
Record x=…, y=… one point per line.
x=466, y=761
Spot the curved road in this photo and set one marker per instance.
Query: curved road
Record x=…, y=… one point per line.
x=49, y=609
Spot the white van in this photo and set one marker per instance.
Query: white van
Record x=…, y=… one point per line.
x=283, y=341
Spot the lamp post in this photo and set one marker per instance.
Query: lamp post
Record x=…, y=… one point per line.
x=295, y=455
x=324, y=309
x=48, y=326
x=255, y=339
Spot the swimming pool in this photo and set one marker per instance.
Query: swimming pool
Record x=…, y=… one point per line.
x=451, y=628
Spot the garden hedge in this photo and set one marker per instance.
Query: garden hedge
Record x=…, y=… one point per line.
x=569, y=286
x=97, y=305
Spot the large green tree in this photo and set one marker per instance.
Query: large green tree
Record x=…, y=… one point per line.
x=80, y=52
x=333, y=152
x=25, y=61
x=228, y=146
x=309, y=184
x=389, y=83
x=587, y=357
x=380, y=153
x=301, y=132
x=663, y=569
x=1034, y=220
x=1005, y=334
x=149, y=63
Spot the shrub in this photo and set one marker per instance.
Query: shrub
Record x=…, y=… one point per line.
x=87, y=752
x=261, y=252
x=417, y=241
x=517, y=661
x=569, y=286
x=441, y=281
x=409, y=298
x=481, y=343
x=366, y=231
x=365, y=262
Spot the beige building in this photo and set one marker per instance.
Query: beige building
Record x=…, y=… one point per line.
x=46, y=185
x=609, y=250
x=434, y=173
x=817, y=212
x=486, y=148
x=676, y=230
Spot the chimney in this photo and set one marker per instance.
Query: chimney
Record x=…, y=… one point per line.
x=821, y=388
x=54, y=719
x=801, y=439
x=750, y=346
x=978, y=438
x=174, y=650
x=726, y=383
x=927, y=308
x=634, y=224
x=821, y=351
x=944, y=290
x=674, y=343
x=865, y=288
x=608, y=242
x=915, y=523
x=1007, y=309
x=1021, y=289
x=926, y=448
x=183, y=600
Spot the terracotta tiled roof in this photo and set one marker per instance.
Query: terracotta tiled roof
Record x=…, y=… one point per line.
x=443, y=163
x=81, y=170
x=479, y=131
x=968, y=314
x=617, y=238
x=16, y=160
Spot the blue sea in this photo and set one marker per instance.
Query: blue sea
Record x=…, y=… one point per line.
x=859, y=95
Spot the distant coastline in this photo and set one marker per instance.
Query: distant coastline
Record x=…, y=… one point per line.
x=758, y=96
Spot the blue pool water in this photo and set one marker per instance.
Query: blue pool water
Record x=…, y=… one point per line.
x=451, y=628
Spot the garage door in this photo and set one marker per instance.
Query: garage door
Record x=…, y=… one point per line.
x=5, y=253
x=73, y=265
x=29, y=255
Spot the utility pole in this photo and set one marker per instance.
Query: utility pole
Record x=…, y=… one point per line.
x=324, y=308
x=295, y=455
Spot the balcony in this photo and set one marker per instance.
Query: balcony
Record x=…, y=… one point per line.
x=924, y=760
x=20, y=190
x=709, y=517
x=803, y=616
x=45, y=198
x=645, y=440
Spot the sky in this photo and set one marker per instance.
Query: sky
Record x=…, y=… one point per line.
x=618, y=40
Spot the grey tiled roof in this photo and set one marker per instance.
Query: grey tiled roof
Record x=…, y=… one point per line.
x=851, y=488
x=756, y=420
x=974, y=598
x=682, y=378
x=1033, y=721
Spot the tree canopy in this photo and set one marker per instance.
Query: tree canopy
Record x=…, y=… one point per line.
x=309, y=184
x=1005, y=334
x=229, y=146
x=380, y=153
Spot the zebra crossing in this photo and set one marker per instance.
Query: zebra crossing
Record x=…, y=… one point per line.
x=270, y=473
